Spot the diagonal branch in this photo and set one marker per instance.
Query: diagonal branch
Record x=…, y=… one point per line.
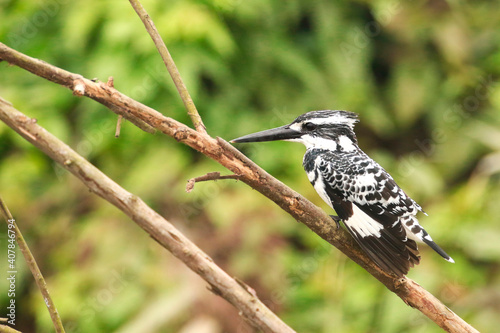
x=209, y=176
x=7, y=329
x=225, y=154
x=170, y=64
x=160, y=229
x=33, y=266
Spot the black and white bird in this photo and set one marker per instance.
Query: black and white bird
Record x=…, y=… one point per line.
x=375, y=210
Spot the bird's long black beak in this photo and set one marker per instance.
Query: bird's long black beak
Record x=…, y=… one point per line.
x=279, y=133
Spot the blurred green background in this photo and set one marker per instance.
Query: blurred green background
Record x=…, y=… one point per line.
x=423, y=76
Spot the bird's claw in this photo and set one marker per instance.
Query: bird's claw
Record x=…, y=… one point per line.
x=336, y=219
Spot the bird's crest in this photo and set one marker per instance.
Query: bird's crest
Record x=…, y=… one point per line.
x=329, y=117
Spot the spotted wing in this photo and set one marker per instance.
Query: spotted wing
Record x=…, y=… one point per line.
x=373, y=209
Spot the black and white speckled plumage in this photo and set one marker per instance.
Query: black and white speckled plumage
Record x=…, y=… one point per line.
x=352, y=180
x=375, y=210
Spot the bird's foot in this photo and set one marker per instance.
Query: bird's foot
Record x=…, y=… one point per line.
x=336, y=219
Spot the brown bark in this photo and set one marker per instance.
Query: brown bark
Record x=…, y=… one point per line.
x=252, y=309
x=222, y=152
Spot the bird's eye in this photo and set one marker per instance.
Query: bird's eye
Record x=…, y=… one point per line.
x=309, y=126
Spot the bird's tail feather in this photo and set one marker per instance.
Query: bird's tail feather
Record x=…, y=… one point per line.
x=427, y=240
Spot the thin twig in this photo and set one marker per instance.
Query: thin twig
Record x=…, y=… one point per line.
x=228, y=156
x=111, y=84
x=118, y=126
x=170, y=64
x=35, y=270
x=251, y=308
x=209, y=176
x=8, y=329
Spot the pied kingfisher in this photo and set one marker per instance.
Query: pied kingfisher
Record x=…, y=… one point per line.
x=375, y=210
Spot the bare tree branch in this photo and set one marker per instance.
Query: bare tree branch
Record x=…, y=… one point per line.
x=7, y=329
x=207, y=177
x=33, y=266
x=118, y=126
x=172, y=68
x=160, y=229
x=225, y=154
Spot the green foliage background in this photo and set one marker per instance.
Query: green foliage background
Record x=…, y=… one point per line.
x=423, y=76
